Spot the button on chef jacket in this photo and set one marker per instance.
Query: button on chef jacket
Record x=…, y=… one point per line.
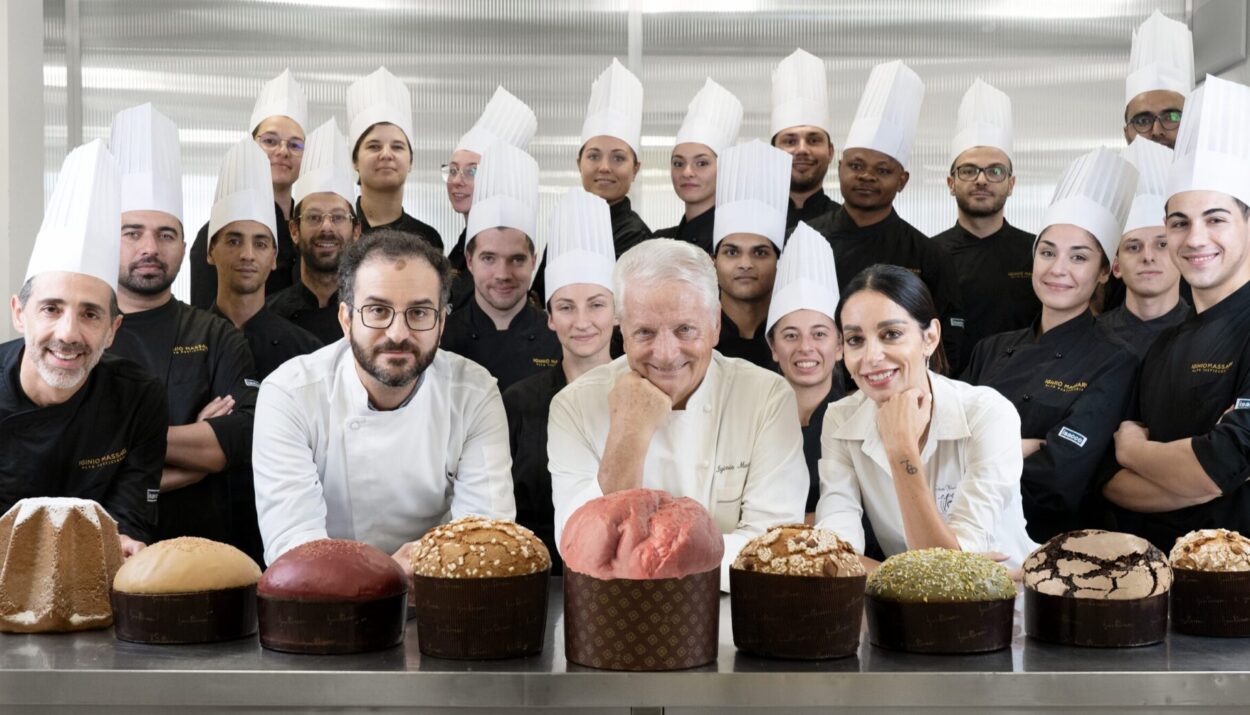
x=697, y=231
x=1140, y=334
x=526, y=347
x=204, y=275
x=198, y=357
x=107, y=442
x=1072, y=387
x=737, y=449
x=817, y=206
x=328, y=465
x=628, y=229
x=300, y=306
x=528, y=405
x=1192, y=374
x=995, y=284
x=754, y=349
x=405, y=223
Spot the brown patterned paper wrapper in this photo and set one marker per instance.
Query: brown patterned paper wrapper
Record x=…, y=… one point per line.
x=798, y=617
x=480, y=618
x=1096, y=622
x=959, y=627
x=181, y=618
x=1211, y=603
x=656, y=624
x=322, y=627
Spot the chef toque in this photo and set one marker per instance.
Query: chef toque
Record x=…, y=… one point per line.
x=505, y=119
x=1095, y=193
x=615, y=108
x=1162, y=58
x=752, y=192
x=1213, y=146
x=82, y=226
x=145, y=145
x=712, y=119
x=579, y=243
x=800, y=93
x=1152, y=160
x=378, y=98
x=806, y=278
x=281, y=96
x=984, y=119
x=327, y=165
x=244, y=189
x=505, y=192
x=888, y=112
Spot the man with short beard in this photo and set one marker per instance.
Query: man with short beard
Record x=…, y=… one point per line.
x=202, y=360
x=800, y=127
x=993, y=259
x=75, y=422
x=382, y=436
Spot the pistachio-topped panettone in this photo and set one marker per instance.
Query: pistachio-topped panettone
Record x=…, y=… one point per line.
x=799, y=550
x=940, y=576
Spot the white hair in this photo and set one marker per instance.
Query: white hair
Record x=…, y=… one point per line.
x=665, y=260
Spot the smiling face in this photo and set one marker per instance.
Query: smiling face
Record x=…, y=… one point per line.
x=981, y=197
x=397, y=355
x=811, y=153
x=501, y=262
x=151, y=252
x=245, y=254
x=321, y=243
x=1207, y=235
x=884, y=348
x=582, y=315
x=460, y=186
x=66, y=324
x=1068, y=266
x=608, y=168
x=805, y=345
x=383, y=158
x=693, y=170
x=274, y=135
x=1144, y=264
x=870, y=179
x=746, y=267
x=669, y=333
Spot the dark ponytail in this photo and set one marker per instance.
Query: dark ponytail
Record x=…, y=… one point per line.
x=906, y=290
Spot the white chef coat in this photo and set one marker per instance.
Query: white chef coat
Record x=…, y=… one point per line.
x=971, y=458
x=737, y=449
x=327, y=465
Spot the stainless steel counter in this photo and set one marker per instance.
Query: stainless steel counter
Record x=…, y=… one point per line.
x=93, y=672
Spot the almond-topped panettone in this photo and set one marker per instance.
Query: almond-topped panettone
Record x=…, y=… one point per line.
x=478, y=547
x=1211, y=550
x=799, y=550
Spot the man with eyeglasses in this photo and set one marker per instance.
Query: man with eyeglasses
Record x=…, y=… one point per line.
x=323, y=225
x=993, y=259
x=381, y=436
x=800, y=127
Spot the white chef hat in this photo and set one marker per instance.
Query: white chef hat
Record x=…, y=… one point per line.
x=244, y=189
x=505, y=119
x=505, y=192
x=888, y=112
x=1095, y=193
x=800, y=93
x=378, y=98
x=712, y=119
x=281, y=96
x=327, y=165
x=752, y=192
x=145, y=145
x=615, y=108
x=1213, y=145
x=1152, y=160
x=807, y=278
x=579, y=243
x=1162, y=58
x=984, y=119
x=81, y=230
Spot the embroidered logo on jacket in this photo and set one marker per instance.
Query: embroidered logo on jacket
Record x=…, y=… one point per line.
x=545, y=362
x=1211, y=368
x=1020, y=274
x=1242, y=403
x=1061, y=386
x=153, y=495
x=1073, y=436
x=104, y=461
x=189, y=349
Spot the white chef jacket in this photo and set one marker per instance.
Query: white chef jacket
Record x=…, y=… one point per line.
x=971, y=458
x=737, y=449
x=326, y=465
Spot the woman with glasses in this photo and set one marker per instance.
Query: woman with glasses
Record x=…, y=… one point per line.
x=1069, y=379
x=608, y=158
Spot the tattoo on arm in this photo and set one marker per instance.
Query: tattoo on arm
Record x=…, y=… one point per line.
x=907, y=465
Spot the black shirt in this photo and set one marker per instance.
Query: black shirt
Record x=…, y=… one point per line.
x=754, y=350
x=528, y=404
x=995, y=284
x=461, y=280
x=1191, y=376
x=1140, y=334
x=198, y=357
x=1072, y=387
x=697, y=230
x=404, y=223
x=524, y=348
x=628, y=230
x=204, y=275
x=106, y=442
x=301, y=307
x=818, y=205
x=811, y=441
x=273, y=340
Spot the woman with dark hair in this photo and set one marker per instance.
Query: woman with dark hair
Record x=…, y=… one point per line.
x=608, y=158
x=931, y=461
x=1068, y=378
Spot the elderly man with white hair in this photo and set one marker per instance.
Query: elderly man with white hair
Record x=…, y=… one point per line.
x=674, y=414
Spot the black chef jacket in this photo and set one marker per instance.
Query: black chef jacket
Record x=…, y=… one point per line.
x=106, y=443
x=1072, y=387
x=697, y=230
x=204, y=275
x=1140, y=334
x=404, y=223
x=524, y=348
x=198, y=357
x=628, y=230
x=300, y=306
x=273, y=340
x=894, y=241
x=995, y=284
x=818, y=205
x=811, y=441
x=1190, y=376
x=754, y=350
x=528, y=404
x=461, y=280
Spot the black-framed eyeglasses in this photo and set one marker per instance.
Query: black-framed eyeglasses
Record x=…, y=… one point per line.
x=380, y=317
x=1169, y=119
x=271, y=142
x=450, y=172
x=994, y=173
x=314, y=220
